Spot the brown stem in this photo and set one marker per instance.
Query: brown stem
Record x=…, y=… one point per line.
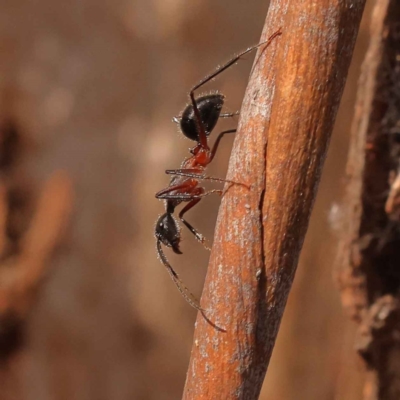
x=291, y=102
x=369, y=269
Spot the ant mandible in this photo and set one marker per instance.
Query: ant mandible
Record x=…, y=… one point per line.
x=196, y=123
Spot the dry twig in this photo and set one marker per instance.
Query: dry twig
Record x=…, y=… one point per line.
x=286, y=121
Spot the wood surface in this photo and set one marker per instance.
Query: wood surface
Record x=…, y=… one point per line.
x=286, y=122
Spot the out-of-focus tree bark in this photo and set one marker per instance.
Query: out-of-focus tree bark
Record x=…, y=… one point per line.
x=25, y=258
x=286, y=121
x=67, y=82
x=91, y=86
x=369, y=270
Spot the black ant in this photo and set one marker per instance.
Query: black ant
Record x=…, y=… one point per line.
x=196, y=123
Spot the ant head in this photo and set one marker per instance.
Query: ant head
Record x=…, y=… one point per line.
x=167, y=232
x=210, y=107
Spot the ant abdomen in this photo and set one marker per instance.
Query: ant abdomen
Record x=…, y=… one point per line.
x=209, y=107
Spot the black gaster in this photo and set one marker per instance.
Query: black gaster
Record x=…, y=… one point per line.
x=210, y=107
x=167, y=232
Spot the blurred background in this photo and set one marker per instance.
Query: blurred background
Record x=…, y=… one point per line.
x=88, y=89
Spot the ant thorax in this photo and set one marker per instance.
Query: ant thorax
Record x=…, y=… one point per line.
x=199, y=161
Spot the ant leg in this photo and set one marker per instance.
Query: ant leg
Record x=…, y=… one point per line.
x=197, y=235
x=228, y=115
x=161, y=193
x=191, y=173
x=199, y=123
x=190, y=196
x=220, y=136
x=185, y=292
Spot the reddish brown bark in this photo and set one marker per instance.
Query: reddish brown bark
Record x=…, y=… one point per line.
x=286, y=121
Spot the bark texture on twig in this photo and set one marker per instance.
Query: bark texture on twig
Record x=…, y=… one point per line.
x=286, y=121
x=369, y=274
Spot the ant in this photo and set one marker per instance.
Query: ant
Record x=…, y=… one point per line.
x=196, y=123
